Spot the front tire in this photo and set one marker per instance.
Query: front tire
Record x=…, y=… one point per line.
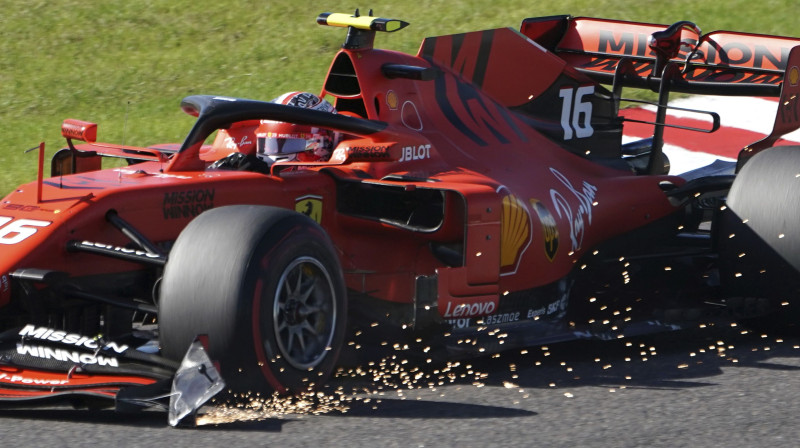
x=264, y=284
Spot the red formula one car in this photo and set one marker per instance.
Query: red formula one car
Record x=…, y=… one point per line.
x=478, y=191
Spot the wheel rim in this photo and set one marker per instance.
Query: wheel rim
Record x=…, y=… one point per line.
x=304, y=313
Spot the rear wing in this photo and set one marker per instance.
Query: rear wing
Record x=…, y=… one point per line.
x=679, y=58
x=719, y=62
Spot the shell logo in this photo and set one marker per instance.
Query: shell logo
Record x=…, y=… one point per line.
x=794, y=75
x=515, y=233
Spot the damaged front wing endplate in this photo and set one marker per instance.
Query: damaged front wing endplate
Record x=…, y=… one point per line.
x=195, y=382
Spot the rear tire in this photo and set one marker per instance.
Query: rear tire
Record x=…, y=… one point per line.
x=766, y=193
x=759, y=240
x=264, y=284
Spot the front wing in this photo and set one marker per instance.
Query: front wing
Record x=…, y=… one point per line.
x=43, y=366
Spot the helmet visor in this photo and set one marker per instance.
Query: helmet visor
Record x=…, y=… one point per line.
x=277, y=144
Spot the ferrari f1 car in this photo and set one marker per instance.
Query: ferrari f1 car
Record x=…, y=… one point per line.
x=480, y=191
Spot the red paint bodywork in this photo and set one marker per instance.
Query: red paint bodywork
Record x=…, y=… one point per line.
x=476, y=151
x=530, y=182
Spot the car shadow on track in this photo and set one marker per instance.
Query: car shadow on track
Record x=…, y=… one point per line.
x=428, y=409
x=679, y=359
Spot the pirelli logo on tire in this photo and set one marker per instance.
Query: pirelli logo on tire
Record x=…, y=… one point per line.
x=311, y=206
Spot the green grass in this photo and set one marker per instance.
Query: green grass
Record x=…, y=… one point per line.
x=127, y=64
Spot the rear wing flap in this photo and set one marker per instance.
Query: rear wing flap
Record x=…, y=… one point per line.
x=719, y=62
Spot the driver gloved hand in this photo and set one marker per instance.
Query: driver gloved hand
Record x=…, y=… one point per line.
x=240, y=162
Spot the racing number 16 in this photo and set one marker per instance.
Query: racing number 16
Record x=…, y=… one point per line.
x=576, y=114
x=16, y=231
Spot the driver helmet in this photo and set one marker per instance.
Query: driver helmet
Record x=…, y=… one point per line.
x=306, y=100
x=281, y=141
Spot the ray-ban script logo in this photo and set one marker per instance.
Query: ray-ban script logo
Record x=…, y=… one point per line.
x=578, y=219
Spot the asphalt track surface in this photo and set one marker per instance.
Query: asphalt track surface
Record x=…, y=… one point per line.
x=712, y=386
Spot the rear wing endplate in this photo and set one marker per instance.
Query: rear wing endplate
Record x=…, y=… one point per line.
x=788, y=117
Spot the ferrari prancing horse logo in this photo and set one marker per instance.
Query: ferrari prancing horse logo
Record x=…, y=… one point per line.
x=310, y=206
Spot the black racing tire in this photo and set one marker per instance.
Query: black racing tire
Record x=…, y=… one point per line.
x=265, y=285
x=759, y=241
x=766, y=194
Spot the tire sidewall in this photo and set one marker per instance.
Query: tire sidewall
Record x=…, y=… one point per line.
x=289, y=239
